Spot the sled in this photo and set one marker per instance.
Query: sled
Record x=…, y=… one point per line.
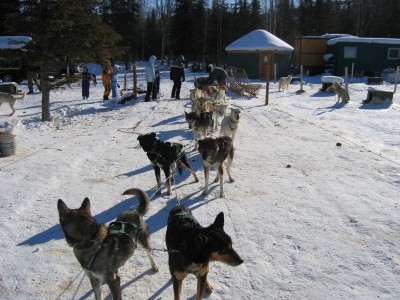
x=240, y=84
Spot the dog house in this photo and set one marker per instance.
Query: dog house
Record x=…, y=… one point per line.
x=250, y=51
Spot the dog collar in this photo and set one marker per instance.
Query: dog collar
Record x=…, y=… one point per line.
x=235, y=122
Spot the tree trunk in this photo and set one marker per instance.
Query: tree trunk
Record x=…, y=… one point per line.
x=44, y=83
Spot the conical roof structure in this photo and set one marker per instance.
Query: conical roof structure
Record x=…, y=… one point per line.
x=259, y=40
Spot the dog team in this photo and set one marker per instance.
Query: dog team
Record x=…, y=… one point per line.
x=101, y=250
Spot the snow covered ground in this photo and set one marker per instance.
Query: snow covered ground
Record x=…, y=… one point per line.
x=314, y=211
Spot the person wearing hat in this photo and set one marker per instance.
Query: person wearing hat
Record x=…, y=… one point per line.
x=177, y=75
x=106, y=78
x=217, y=74
x=150, y=74
x=86, y=79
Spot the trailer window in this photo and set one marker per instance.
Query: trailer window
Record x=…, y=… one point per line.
x=350, y=52
x=394, y=53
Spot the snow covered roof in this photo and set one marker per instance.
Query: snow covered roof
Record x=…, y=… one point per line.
x=364, y=40
x=13, y=42
x=326, y=36
x=336, y=35
x=259, y=40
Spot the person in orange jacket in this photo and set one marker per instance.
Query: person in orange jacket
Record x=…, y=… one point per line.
x=106, y=78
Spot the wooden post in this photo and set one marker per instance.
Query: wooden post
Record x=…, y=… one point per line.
x=346, y=79
x=352, y=73
x=395, y=80
x=134, y=82
x=301, y=81
x=269, y=62
x=301, y=78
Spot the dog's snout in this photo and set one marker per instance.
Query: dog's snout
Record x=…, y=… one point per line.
x=236, y=259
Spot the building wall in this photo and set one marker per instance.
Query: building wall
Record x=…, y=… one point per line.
x=248, y=61
x=253, y=63
x=371, y=57
x=310, y=52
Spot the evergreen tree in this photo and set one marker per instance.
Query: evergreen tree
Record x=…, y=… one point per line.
x=199, y=29
x=153, y=35
x=7, y=7
x=256, y=18
x=66, y=31
x=305, y=20
x=165, y=8
x=221, y=31
x=285, y=28
x=181, y=28
x=123, y=17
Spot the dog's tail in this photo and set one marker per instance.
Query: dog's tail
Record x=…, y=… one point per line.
x=144, y=200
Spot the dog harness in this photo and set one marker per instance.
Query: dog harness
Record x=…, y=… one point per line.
x=181, y=216
x=118, y=227
x=159, y=156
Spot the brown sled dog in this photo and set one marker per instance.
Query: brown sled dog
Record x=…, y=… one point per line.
x=192, y=247
x=101, y=251
x=213, y=153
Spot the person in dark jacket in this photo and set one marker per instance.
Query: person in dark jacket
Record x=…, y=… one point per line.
x=158, y=81
x=33, y=77
x=86, y=79
x=177, y=75
x=217, y=74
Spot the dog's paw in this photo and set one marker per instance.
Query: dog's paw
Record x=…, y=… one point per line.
x=209, y=288
x=155, y=268
x=231, y=180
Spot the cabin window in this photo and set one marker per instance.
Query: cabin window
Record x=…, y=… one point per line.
x=394, y=53
x=350, y=52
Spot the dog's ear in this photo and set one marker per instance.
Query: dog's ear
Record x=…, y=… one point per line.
x=219, y=220
x=216, y=146
x=86, y=206
x=139, y=137
x=153, y=134
x=62, y=207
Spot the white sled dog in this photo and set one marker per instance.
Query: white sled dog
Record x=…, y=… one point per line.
x=284, y=83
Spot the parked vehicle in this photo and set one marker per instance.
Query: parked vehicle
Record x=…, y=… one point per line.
x=15, y=71
x=12, y=67
x=11, y=71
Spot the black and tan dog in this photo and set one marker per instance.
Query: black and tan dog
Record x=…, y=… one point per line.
x=213, y=153
x=192, y=247
x=162, y=155
x=102, y=250
x=201, y=123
